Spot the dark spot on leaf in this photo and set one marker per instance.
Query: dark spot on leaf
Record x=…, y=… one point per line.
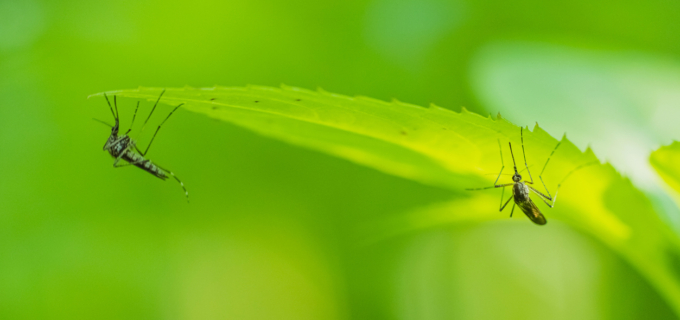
x=213, y=99
x=403, y=132
x=297, y=100
x=214, y=107
x=257, y=101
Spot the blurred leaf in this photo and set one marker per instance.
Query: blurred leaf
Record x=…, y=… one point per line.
x=452, y=150
x=622, y=104
x=666, y=161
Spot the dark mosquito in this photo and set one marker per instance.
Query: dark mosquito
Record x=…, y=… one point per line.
x=522, y=189
x=125, y=148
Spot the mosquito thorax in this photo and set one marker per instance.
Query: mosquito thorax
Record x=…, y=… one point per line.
x=117, y=144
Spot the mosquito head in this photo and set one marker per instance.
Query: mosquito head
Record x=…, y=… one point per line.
x=516, y=177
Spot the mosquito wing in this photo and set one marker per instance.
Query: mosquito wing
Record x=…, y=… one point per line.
x=531, y=210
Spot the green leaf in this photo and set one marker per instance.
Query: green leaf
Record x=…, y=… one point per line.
x=438, y=147
x=666, y=161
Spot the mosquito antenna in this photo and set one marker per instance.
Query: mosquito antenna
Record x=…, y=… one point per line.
x=115, y=104
x=110, y=107
x=513, y=157
x=150, y=113
x=103, y=122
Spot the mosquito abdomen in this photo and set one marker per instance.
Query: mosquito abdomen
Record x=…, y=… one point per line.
x=145, y=164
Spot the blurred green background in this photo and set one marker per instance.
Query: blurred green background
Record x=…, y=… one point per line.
x=271, y=229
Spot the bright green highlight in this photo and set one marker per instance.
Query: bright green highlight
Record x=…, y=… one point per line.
x=451, y=150
x=666, y=160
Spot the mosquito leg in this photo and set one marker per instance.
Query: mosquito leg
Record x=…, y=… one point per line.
x=521, y=134
x=540, y=176
x=100, y=121
x=506, y=203
x=152, y=109
x=159, y=127
x=513, y=209
x=186, y=193
x=133, y=118
x=577, y=168
x=120, y=165
x=520, y=172
x=545, y=198
x=502, y=163
x=548, y=198
x=137, y=159
x=546, y=188
x=122, y=153
x=495, y=185
x=541, y=194
x=492, y=187
x=115, y=163
x=553, y=199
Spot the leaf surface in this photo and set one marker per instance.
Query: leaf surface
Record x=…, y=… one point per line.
x=666, y=162
x=438, y=147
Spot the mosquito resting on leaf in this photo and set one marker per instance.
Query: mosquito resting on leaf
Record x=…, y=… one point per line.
x=124, y=148
x=522, y=189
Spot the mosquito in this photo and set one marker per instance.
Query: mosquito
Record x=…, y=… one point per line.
x=125, y=148
x=522, y=189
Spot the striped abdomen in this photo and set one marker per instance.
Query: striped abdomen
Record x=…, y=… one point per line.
x=144, y=164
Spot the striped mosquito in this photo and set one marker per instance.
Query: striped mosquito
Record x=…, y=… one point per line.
x=125, y=148
x=522, y=189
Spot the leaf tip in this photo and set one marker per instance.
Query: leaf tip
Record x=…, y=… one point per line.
x=589, y=151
